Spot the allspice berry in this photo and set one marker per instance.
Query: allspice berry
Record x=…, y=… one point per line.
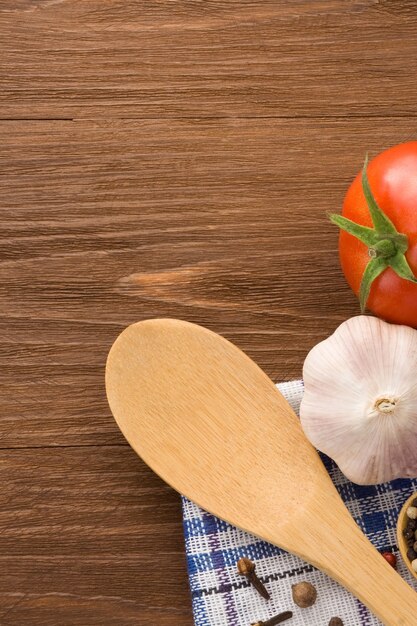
x=335, y=621
x=304, y=594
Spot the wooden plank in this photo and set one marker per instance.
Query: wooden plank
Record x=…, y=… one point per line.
x=131, y=58
x=89, y=536
x=218, y=222
x=222, y=223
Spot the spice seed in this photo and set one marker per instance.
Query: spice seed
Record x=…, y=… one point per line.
x=414, y=502
x=412, y=524
x=412, y=512
x=414, y=565
x=304, y=594
x=335, y=621
x=273, y=621
x=390, y=558
x=411, y=554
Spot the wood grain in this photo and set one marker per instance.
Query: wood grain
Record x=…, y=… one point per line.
x=202, y=146
x=129, y=58
x=79, y=527
x=219, y=222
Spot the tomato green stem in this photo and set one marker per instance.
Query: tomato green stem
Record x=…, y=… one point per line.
x=386, y=246
x=374, y=268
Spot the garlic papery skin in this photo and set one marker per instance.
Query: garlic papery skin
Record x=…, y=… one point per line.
x=360, y=401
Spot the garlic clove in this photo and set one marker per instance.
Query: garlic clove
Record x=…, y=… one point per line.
x=360, y=400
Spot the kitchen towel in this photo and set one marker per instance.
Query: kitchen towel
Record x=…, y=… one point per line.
x=221, y=597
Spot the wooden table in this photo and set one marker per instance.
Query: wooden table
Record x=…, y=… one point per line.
x=163, y=159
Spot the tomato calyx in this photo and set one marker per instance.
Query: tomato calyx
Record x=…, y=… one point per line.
x=386, y=246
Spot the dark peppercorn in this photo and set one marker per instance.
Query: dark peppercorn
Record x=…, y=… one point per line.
x=414, y=502
x=408, y=534
x=335, y=621
x=412, y=524
x=411, y=554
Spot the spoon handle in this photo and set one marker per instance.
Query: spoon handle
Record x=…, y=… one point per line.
x=346, y=555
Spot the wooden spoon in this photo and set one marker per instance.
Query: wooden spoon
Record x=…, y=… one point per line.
x=401, y=524
x=206, y=418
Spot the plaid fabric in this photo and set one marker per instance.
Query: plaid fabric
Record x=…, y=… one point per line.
x=223, y=598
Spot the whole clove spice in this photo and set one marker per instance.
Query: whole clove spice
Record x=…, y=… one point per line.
x=246, y=568
x=273, y=621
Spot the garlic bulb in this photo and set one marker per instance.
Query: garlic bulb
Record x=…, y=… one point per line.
x=360, y=401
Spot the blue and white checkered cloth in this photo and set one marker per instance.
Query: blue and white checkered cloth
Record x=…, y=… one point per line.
x=223, y=598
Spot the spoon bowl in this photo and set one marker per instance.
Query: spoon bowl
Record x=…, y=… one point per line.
x=210, y=422
x=401, y=524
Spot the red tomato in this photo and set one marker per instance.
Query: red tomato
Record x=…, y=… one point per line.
x=393, y=181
